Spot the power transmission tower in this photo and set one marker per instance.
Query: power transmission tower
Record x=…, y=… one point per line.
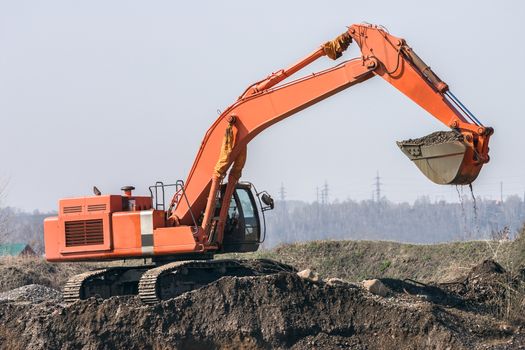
x=377, y=185
x=324, y=193
x=317, y=206
x=282, y=193
x=282, y=197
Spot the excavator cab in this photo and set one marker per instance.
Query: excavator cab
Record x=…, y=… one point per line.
x=243, y=231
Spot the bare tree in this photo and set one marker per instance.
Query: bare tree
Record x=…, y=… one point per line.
x=4, y=214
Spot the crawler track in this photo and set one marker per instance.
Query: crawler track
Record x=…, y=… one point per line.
x=148, y=281
x=165, y=281
x=103, y=283
x=173, y=279
x=73, y=288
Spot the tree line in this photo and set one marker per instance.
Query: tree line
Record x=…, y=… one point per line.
x=423, y=221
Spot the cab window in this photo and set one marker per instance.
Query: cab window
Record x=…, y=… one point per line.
x=251, y=222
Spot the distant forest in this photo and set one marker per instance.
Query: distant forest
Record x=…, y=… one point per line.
x=424, y=221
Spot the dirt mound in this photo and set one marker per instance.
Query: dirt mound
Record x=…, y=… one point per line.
x=485, y=283
x=487, y=267
x=435, y=138
x=21, y=271
x=490, y=289
x=280, y=311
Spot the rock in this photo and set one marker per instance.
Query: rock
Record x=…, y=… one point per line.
x=33, y=293
x=309, y=274
x=336, y=282
x=487, y=267
x=376, y=287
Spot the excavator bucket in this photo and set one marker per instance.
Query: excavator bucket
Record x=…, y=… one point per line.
x=443, y=157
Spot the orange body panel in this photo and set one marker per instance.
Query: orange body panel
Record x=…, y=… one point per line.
x=179, y=239
x=97, y=228
x=93, y=212
x=52, y=236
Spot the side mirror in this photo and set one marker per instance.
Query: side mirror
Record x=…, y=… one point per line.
x=268, y=200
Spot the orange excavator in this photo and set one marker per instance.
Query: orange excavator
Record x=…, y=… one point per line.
x=209, y=216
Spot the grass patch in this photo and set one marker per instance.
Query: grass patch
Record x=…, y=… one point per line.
x=355, y=260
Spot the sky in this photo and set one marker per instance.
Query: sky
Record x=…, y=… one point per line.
x=114, y=93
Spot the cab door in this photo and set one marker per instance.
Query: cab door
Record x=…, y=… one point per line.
x=242, y=231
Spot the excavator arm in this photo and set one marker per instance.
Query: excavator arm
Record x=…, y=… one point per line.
x=457, y=162
x=266, y=103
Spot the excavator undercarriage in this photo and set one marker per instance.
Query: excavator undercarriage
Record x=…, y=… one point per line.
x=156, y=283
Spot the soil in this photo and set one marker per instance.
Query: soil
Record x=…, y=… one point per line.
x=435, y=138
x=280, y=311
x=21, y=271
x=490, y=289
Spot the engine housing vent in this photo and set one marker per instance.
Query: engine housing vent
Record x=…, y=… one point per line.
x=84, y=232
x=96, y=207
x=72, y=209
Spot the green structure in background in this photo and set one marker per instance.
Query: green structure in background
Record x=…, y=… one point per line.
x=16, y=249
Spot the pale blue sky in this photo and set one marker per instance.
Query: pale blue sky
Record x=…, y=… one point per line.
x=121, y=92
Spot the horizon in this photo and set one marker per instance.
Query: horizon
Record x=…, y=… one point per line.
x=466, y=197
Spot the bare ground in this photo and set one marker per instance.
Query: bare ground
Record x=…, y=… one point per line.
x=21, y=271
x=478, y=308
x=278, y=311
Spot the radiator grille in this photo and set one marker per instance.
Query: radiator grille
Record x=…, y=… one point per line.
x=72, y=209
x=84, y=232
x=96, y=207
